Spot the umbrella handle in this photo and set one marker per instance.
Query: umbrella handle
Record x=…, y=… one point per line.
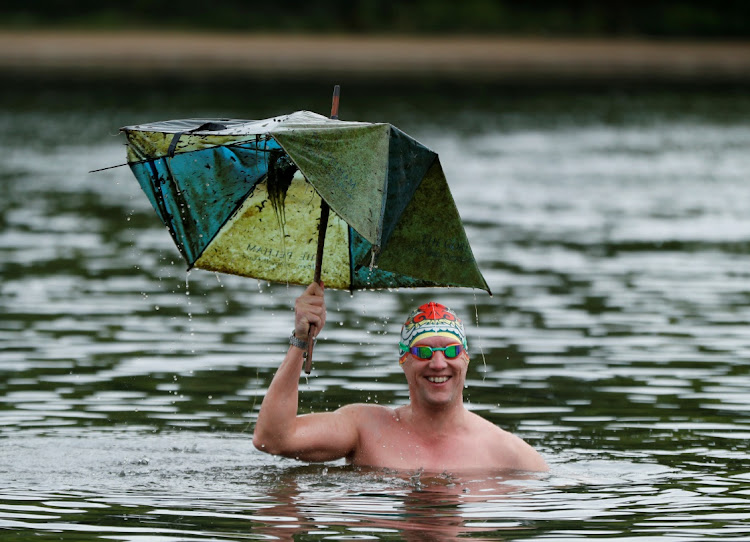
x=308, y=354
x=324, y=211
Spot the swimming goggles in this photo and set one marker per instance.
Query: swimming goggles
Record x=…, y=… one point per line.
x=452, y=351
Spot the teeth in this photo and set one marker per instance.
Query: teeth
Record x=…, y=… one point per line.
x=437, y=379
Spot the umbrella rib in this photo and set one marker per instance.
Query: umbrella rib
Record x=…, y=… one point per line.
x=159, y=198
x=233, y=144
x=179, y=199
x=383, y=201
x=351, y=259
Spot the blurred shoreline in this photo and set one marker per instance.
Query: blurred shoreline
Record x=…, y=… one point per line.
x=66, y=55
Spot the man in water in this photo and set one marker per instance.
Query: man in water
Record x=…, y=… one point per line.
x=434, y=432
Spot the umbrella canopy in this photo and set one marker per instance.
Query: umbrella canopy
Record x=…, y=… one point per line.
x=243, y=197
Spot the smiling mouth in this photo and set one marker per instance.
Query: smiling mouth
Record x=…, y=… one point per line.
x=438, y=379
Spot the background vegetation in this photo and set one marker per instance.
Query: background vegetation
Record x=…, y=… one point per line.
x=588, y=18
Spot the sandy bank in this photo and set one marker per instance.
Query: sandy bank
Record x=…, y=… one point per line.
x=365, y=57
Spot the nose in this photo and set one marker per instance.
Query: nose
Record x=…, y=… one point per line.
x=437, y=361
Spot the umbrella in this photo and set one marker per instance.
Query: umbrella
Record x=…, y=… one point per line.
x=245, y=196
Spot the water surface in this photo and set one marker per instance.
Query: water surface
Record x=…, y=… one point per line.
x=613, y=229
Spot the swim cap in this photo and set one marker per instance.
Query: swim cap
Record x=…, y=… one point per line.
x=430, y=320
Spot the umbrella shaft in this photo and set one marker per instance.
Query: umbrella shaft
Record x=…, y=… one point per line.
x=324, y=209
x=321, y=238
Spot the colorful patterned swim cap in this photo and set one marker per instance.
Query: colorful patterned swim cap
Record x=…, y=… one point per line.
x=429, y=320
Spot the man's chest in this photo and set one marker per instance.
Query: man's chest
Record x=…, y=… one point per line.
x=401, y=448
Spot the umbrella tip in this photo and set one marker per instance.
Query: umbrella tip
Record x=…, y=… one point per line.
x=335, y=102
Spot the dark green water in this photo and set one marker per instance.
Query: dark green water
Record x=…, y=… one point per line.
x=613, y=228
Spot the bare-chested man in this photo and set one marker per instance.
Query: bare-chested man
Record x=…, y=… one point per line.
x=434, y=431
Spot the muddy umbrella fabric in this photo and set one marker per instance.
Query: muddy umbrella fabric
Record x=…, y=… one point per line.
x=243, y=197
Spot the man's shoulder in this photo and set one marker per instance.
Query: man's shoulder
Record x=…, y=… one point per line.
x=367, y=409
x=493, y=433
x=479, y=422
x=367, y=417
x=508, y=447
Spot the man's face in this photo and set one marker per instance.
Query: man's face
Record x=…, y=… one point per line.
x=439, y=381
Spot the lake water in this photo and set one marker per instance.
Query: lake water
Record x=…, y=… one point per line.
x=612, y=227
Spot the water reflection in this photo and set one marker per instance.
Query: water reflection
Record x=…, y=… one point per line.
x=612, y=230
x=417, y=505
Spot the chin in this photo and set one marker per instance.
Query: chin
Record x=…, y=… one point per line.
x=431, y=400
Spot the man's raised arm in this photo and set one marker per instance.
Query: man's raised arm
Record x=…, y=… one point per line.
x=313, y=437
